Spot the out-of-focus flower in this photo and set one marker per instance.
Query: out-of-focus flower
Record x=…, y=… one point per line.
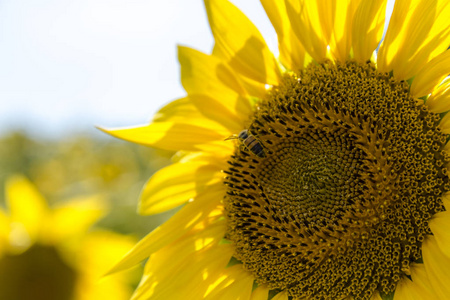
x=336, y=181
x=51, y=253
x=79, y=164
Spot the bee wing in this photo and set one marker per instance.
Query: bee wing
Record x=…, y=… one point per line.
x=232, y=137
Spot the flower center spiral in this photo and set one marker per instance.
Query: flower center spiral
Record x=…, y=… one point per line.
x=340, y=203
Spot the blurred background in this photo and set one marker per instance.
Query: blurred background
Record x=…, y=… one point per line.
x=67, y=66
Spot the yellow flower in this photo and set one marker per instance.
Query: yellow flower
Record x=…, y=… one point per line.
x=322, y=174
x=48, y=253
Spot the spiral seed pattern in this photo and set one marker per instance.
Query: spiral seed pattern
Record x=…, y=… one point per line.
x=355, y=169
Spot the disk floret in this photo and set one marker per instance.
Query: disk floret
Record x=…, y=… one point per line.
x=354, y=170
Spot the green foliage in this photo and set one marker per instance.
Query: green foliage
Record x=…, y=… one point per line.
x=81, y=165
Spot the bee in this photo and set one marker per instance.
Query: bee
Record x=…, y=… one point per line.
x=250, y=142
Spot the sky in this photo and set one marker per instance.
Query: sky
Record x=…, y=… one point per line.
x=72, y=64
x=69, y=65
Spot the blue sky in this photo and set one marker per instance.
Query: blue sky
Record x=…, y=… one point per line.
x=71, y=64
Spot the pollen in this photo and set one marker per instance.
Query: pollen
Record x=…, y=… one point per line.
x=340, y=204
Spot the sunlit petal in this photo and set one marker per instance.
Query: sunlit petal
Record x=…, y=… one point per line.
x=368, y=27
x=260, y=293
x=418, y=288
x=436, y=266
x=176, y=184
x=306, y=23
x=183, y=221
x=431, y=75
x=195, y=135
x=292, y=54
x=418, y=32
x=439, y=100
x=240, y=43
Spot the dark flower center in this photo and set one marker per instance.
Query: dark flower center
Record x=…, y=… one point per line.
x=353, y=171
x=38, y=273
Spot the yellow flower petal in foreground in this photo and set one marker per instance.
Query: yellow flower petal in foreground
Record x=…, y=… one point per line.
x=205, y=205
x=304, y=18
x=337, y=20
x=207, y=76
x=439, y=225
x=292, y=53
x=281, y=296
x=234, y=283
x=439, y=100
x=431, y=75
x=176, y=184
x=260, y=293
x=436, y=266
x=418, y=31
x=417, y=288
x=49, y=253
x=188, y=266
x=168, y=135
x=323, y=175
x=242, y=47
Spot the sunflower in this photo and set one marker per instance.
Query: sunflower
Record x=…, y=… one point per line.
x=322, y=174
x=48, y=253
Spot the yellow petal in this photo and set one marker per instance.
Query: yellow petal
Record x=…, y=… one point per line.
x=418, y=288
x=234, y=283
x=214, y=109
x=337, y=21
x=436, y=266
x=217, y=85
x=292, y=53
x=281, y=296
x=73, y=218
x=4, y=231
x=200, y=240
x=195, y=135
x=181, y=271
x=207, y=74
x=209, y=111
x=445, y=124
x=418, y=31
x=439, y=100
x=431, y=75
x=306, y=22
x=98, y=251
x=183, y=221
x=176, y=184
x=446, y=197
x=260, y=293
x=218, y=159
x=27, y=208
x=367, y=28
x=376, y=296
x=240, y=43
x=439, y=225
x=180, y=110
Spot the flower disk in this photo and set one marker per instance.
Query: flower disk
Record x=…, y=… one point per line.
x=354, y=170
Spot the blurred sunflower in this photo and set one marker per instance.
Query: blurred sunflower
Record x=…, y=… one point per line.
x=48, y=253
x=336, y=182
